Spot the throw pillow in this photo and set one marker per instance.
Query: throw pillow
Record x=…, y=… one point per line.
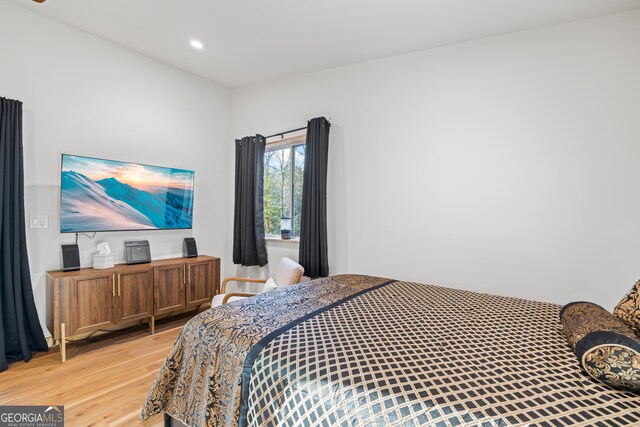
x=607, y=349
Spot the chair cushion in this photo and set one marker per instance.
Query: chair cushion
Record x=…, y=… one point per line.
x=217, y=300
x=606, y=348
x=287, y=272
x=269, y=286
x=628, y=309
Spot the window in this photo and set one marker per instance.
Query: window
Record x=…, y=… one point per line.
x=283, y=175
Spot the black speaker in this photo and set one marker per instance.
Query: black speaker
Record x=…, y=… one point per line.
x=189, y=248
x=70, y=258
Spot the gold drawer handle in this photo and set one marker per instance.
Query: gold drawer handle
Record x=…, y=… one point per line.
x=113, y=283
x=118, y=284
x=184, y=273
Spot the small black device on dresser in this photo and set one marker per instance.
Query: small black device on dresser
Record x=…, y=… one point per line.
x=190, y=249
x=70, y=258
x=137, y=252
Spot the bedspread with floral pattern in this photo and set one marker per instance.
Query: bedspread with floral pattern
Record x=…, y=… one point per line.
x=367, y=351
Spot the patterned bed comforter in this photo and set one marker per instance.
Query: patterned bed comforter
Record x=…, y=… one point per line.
x=367, y=351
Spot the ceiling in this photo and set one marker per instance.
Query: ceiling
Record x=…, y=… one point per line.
x=248, y=41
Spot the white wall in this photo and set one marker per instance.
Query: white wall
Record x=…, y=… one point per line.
x=83, y=95
x=506, y=165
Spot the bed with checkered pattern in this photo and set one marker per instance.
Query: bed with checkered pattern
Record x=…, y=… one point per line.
x=375, y=352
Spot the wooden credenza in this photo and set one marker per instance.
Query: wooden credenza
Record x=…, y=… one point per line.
x=88, y=300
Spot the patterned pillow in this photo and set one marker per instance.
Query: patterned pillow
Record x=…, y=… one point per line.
x=607, y=349
x=269, y=286
x=628, y=309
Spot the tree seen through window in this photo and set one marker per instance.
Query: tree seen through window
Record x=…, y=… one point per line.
x=283, y=175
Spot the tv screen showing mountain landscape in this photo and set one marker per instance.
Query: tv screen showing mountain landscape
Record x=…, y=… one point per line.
x=108, y=195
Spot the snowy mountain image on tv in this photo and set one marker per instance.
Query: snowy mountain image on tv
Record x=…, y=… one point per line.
x=108, y=195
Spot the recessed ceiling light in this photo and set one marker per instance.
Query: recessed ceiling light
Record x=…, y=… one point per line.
x=196, y=44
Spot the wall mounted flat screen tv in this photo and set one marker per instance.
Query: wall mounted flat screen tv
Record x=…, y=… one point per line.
x=109, y=195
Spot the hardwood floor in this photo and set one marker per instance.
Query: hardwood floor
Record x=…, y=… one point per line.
x=103, y=383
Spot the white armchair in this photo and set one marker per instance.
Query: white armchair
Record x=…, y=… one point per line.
x=288, y=273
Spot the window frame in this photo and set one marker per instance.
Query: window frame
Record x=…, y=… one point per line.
x=290, y=143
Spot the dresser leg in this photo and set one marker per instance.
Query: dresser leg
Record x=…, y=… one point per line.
x=153, y=325
x=63, y=343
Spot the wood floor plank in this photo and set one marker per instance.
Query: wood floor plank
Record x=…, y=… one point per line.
x=114, y=405
x=104, y=376
x=103, y=383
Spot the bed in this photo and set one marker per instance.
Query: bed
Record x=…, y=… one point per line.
x=355, y=350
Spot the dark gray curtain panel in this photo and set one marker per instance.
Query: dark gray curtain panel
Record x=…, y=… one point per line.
x=20, y=330
x=248, y=219
x=313, y=218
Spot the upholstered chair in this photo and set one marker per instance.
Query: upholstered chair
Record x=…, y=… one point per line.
x=288, y=273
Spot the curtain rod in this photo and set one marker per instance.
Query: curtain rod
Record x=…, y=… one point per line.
x=285, y=132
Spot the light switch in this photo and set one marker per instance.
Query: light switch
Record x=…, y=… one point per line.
x=38, y=221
